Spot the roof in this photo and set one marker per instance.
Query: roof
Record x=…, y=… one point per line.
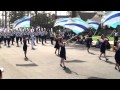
x=96, y=18
x=85, y=16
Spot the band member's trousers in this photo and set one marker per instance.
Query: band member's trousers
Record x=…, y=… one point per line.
x=12, y=39
x=32, y=43
x=17, y=40
x=42, y=38
x=5, y=40
x=45, y=38
x=37, y=39
x=8, y=41
x=21, y=40
x=52, y=38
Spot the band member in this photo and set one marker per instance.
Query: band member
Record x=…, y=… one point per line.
x=12, y=36
x=25, y=46
x=21, y=36
x=45, y=36
x=39, y=33
x=0, y=38
x=57, y=46
x=14, y=31
x=52, y=37
x=42, y=36
x=8, y=38
x=17, y=35
x=28, y=35
x=36, y=35
x=4, y=37
x=103, y=47
x=62, y=53
x=32, y=38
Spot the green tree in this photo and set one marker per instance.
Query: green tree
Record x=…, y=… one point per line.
x=15, y=15
x=42, y=20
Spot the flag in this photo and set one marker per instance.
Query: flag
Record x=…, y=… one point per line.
x=94, y=24
x=22, y=23
x=77, y=25
x=61, y=21
x=112, y=19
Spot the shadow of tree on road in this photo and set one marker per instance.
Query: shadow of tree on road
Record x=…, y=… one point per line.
x=75, y=61
x=95, y=78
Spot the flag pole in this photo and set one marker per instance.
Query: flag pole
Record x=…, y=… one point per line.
x=111, y=33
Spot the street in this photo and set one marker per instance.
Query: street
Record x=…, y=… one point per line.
x=44, y=64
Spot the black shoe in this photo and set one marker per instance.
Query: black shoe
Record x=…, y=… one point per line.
x=64, y=67
x=107, y=59
x=115, y=68
x=61, y=65
x=99, y=58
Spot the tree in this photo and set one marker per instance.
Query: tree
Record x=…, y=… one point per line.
x=42, y=20
x=15, y=15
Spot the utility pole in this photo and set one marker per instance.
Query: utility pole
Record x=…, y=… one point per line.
x=2, y=19
x=74, y=14
x=5, y=19
x=55, y=14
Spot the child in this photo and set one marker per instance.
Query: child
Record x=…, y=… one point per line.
x=117, y=58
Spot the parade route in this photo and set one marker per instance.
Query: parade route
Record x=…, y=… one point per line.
x=44, y=64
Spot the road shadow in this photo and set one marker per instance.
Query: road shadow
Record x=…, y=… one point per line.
x=75, y=61
x=26, y=59
x=67, y=70
x=110, y=56
x=33, y=49
x=110, y=62
x=92, y=53
x=27, y=65
x=95, y=78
